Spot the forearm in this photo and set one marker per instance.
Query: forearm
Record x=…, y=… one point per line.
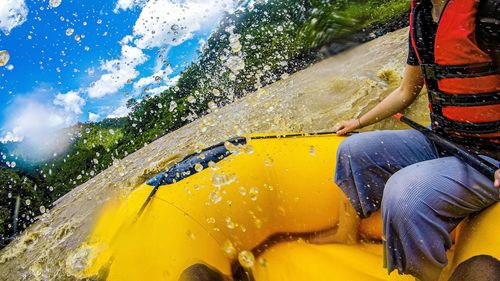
x=398, y=100
x=393, y=103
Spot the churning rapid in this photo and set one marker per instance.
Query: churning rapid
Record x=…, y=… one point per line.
x=311, y=100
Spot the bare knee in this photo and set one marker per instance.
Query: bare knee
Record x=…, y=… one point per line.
x=202, y=272
x=478, y=268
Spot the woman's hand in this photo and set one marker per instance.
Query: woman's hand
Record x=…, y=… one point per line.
x=497, y=178
x=347, y=126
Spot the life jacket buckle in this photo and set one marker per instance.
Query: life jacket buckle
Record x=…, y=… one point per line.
x=435, y=97
x=429, y=71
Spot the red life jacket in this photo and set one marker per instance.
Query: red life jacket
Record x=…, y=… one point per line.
x=462, y=80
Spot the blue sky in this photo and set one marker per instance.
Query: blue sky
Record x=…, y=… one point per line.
x=114, y=50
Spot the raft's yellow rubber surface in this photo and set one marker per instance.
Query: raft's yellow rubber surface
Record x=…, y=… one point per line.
x=296, y=261
x=265, y=187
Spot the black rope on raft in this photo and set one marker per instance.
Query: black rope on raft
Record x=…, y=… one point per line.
x=293, y=135
x=150, y=196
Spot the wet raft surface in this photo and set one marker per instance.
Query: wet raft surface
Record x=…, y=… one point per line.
x=311, y=100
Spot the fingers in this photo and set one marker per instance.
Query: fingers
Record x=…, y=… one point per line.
x=340, y=128
x=342, y=131
x=497, y=178
x=345, y=127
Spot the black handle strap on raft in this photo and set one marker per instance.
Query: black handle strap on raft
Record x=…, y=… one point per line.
x=484, y=167
x=295, y=135
x=150, y=196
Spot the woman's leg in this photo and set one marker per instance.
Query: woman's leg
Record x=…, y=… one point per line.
x=365, y=162
x=422, y=204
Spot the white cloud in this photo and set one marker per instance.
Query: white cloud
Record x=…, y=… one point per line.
x=33, y=116
x=146, y=81
x=119, y=72
x=127, y=39
x=12, y=13
x=161, y=59
x=161, y=23
x=168, y=83
x=158, y=77
x=166, y=22
x=174, y=80
x=13, y=136
x=121, y=111
x=71, y=101
x=38, y=125
x=126, y=4
x=93, y=117
x=158, y=90
x=202, y=43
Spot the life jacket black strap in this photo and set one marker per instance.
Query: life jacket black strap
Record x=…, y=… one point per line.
x=436, y=72
x=440, y=98
x=464, y=127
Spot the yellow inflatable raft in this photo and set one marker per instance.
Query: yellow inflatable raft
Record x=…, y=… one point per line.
x=240, y=208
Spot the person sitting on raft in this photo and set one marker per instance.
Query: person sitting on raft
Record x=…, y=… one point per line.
x=423, y=192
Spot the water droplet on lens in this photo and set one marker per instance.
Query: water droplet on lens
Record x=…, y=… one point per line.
x=262, y=262
x=230, y=224
x=215, y=196
x=268, y=162
x=212, y=165
x=4, y=57
x=253, y=193
x=224, y=179
x=173, y=106
x=248, y=149
x=212, y=105
x=191, y=235
x=198, y=167
x=229, y=249
x=55, y=3
x=242, y=191
x=246, y=259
